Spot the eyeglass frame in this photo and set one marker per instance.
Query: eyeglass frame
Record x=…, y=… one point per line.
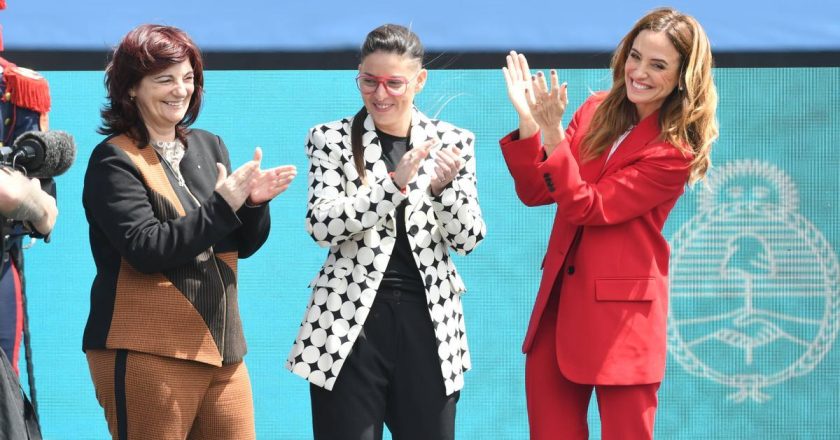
x=382, y=81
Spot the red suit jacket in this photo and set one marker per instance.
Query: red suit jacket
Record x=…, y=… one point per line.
x=614, y=282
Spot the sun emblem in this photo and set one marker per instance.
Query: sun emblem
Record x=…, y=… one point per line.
x=754, y=285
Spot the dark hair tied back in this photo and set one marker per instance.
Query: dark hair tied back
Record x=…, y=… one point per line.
x=388, y=38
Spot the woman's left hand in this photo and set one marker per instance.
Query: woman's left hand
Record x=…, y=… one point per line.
x=547, y=108
x=448, y=164
x=268, y=184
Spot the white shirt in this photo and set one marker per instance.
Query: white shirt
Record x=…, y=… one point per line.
x=619, y=141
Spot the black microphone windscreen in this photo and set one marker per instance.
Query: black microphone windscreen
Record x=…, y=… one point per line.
x=59, y=152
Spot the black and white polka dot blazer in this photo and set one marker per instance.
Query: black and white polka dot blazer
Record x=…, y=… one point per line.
x=356, y=221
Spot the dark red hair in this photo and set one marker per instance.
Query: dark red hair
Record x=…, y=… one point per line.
x=147, y=50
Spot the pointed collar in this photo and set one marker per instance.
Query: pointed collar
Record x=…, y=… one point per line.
x=645, y=132
x=421, y=127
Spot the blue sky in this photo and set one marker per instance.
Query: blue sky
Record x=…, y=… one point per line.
x=442, y=24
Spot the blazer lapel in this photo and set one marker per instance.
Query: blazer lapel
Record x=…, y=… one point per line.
x=372, y=148
x=590, y=170
x=421, y=126
x=640, y=136
x=422, y=129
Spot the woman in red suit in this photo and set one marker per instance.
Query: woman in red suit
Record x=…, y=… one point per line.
x=614, y=173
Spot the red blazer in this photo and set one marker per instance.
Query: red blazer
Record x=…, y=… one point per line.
x=613, y=278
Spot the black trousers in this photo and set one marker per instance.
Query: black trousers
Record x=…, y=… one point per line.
x=391, y=376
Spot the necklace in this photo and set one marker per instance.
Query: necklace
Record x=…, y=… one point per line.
x=171, y=152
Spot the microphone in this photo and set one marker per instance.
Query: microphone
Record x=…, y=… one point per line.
x=44, y=153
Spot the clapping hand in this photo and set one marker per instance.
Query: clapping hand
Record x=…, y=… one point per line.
x=253, y=184
x=236, y=187
x=448, y=164
x=268, y=184
x=518, y=79
x=537, y=106
x=407, y=168
x=547, y=108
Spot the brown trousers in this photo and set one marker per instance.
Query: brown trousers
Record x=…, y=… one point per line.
x=153, y=397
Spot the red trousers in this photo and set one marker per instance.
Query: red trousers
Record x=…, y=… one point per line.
x=557, y=407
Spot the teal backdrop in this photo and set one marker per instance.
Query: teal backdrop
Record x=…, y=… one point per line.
x=755, y=304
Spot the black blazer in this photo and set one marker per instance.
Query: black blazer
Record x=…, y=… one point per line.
x=166, y=265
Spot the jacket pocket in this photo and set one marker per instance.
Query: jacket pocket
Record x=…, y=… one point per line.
x=626, y=289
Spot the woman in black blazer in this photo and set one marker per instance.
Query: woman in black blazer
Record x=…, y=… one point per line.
x=168, y=223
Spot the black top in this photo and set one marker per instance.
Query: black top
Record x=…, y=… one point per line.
x=402, y=274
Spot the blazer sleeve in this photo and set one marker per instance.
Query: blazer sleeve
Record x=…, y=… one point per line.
x=256, y=224
x=255, y=221
x=118, y=203
x=523, y=157
x=333, y=216
x=658, y=175
x=456, y=207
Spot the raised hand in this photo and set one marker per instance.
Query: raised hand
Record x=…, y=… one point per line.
x=518, y=80
x=547, y=108
x=269, y=183
x=410, y=163
x=447, y=165
x=236, y=187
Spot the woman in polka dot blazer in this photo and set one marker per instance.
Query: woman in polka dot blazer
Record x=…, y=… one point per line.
x=391, y=193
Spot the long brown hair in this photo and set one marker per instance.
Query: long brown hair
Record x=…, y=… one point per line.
x=388, y=38
x=687, y=117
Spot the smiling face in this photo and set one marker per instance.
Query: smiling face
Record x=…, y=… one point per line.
x=651, y=71
x=392, y=114
x=163, y=98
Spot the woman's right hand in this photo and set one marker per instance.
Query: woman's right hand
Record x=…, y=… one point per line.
x=236, y=187
x=547, y=108
x=410, y=163
x=519, y=87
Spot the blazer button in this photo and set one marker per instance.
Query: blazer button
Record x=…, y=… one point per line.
x=571, y=270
